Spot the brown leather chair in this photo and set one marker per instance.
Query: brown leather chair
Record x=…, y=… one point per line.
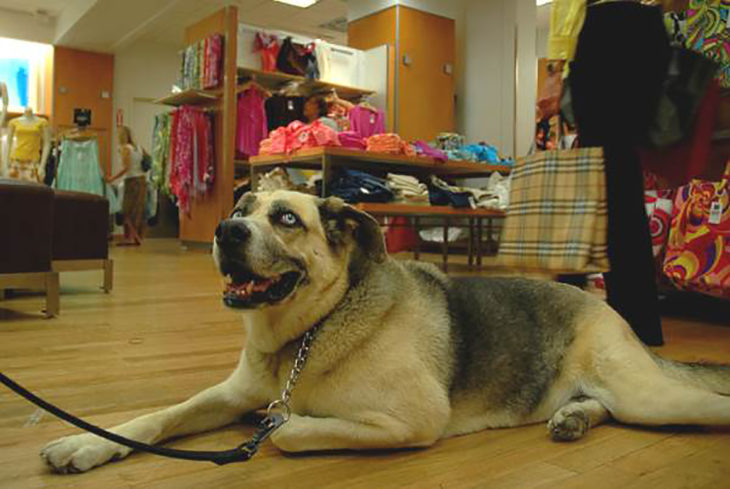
x=26, y=221
x=80, y=234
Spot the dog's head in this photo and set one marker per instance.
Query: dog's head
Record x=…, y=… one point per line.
x=277, y=247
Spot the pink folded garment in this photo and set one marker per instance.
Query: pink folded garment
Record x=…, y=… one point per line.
x=277, y=143
x=312, y=135
x=352, y=140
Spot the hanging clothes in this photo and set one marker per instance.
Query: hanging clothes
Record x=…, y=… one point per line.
x=252, y=126
x=192, y=159
x=282, y=111
x=201, y=63
x=267, y=45
x=708, y=32
x=367, y=122
x=78, y=168
x=160, y=174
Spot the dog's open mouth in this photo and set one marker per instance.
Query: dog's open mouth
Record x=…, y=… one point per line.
x=247, y=290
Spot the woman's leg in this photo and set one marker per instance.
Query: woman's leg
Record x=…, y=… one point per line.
x=615, y=87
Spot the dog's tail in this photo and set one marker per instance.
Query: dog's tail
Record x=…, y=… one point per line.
x=715, y=378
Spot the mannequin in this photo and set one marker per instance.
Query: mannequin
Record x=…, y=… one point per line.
x=3, y=103
x=3, y=138
x=29, y=139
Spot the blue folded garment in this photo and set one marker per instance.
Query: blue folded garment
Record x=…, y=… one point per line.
x=355, y=186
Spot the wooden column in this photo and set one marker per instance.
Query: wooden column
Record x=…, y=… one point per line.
x=206, y=211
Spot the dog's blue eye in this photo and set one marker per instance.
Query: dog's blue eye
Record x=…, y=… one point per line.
x=289, y=219
x=237, y=214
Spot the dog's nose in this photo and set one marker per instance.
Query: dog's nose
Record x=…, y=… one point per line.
x=232, y=233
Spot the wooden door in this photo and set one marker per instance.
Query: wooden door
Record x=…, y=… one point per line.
x=425, y=89
x=82, y=79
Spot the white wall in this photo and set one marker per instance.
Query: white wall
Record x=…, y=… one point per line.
x=447, y=8
x=26, y=27
x=543, y=29
x=143, y=71
x=486, y=83
x=485, y=65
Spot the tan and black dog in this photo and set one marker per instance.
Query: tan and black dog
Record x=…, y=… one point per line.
x=404, y=355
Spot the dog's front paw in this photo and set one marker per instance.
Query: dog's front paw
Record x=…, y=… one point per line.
x=80, y=453
x=286, y=437
x=568, y=425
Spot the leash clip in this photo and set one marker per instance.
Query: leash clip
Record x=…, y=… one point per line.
x=244, y=452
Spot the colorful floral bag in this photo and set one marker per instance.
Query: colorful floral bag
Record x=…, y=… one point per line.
x=698, y=251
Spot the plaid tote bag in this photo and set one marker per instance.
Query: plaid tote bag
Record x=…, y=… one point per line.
x=557, y=218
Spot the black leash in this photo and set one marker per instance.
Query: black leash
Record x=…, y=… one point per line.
x=277, y=414
x=242, y=453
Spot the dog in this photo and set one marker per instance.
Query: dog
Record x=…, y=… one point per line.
x=403, y=355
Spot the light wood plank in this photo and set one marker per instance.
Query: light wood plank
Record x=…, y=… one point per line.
x=163, y=335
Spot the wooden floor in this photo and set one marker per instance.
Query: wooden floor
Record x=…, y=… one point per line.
x=163, y=334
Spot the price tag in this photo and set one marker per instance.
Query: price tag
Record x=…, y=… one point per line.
x=715, y=212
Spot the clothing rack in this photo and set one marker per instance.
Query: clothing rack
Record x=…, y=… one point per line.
x=198, y=226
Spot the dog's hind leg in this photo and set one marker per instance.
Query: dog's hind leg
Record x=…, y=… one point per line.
x=619, y=372
x=573, y=420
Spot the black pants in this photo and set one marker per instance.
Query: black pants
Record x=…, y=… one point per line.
x=615, y=79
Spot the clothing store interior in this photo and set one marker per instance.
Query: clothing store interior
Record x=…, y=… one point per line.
x=196, y=195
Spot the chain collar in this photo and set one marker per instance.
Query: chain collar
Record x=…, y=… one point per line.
x=282, y=404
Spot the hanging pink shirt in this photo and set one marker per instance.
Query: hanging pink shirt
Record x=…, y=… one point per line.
x=252, y=126
x=366, y=122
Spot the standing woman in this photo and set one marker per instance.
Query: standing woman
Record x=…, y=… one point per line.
x=135, y=187
x=617, y=53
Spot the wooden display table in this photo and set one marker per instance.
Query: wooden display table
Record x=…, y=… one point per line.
x=327, y=158
x=474, y=218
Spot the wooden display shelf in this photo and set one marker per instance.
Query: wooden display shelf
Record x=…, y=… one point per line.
x=242, y=164
x=407, y=210
x=191, y=97
x=274, y=79
x=315, y=158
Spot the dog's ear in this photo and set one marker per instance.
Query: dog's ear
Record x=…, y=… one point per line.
x=340, y=220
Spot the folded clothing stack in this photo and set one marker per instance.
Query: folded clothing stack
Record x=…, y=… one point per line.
x=423, y=149
x=352, y=140
x=279, y=179
x=407, y=189
x=449, y=141
x=298, y=135
x=354, y=186
x=389, y=143
x=441, y=193
x=485, y=153
x=495, y=196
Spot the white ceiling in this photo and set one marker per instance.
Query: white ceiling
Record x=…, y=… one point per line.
x=53, y=7
x=264, y=13
x=109, y=25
